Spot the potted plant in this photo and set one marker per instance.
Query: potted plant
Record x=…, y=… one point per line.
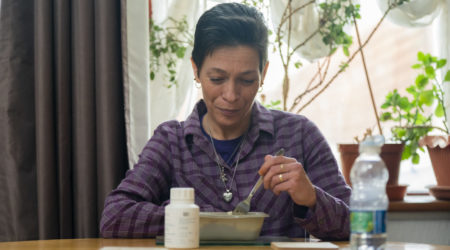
x=414, y=115
x=390, y=152
x=333, y=17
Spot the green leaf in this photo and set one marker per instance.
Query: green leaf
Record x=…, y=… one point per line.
x=395, y=98
x=421, y=81
x=385, y=105
x=406, y=152
x=403, y=103
x=416, y=66
x=401, y=133
x=348, y=40
x=343, y=66
x=152, y=75
x=411, y=89
x=420, y=56
x=421, y=119
x=415, y=158
x=332, y=51
x=447, y=77
x=345, y=49
x=174, y=47
x=427, y=59
x=427, y=97
x=385, y=116
x=275, y=103
x=441, y=63
x=439, y=111
x=180, y=52
x=297, y=65
x=389, y=96
x=430, y=71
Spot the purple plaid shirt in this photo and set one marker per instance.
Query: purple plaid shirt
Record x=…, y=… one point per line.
x=180, y=155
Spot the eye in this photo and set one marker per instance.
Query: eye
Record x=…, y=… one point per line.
x=248, y=81
x=216, y=80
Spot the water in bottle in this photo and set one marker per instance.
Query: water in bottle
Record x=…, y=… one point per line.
x=368, y=201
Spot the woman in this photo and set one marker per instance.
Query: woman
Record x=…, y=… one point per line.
x=227, y=139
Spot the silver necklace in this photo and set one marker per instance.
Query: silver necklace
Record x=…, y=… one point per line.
x=227, y=195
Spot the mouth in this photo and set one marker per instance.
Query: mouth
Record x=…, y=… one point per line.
x=228, y=112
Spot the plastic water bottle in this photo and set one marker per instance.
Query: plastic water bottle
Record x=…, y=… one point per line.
x=181, y=220
x=369, y=202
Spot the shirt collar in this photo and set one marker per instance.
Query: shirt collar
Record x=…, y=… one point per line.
x=262, y=120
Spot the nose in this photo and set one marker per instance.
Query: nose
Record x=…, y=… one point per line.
x=230, y=92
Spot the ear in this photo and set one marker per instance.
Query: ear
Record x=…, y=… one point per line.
x=195, y=69
x=264, y=73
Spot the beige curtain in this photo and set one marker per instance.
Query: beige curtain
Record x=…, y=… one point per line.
x=62, y=133
x=148, y=103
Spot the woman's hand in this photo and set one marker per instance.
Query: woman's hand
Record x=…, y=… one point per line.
x=286, y=174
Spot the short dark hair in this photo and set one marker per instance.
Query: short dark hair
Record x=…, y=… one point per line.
x=230, y=24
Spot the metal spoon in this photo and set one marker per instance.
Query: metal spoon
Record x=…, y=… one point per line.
x=244, y=206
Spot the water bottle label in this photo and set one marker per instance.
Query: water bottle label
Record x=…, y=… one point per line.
x=370, y=222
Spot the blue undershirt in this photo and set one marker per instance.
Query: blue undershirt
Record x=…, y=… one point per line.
x=227, y=149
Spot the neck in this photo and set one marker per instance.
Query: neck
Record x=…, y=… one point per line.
x=225, y=133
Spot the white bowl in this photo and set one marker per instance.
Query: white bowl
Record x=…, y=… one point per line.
x=226, y=226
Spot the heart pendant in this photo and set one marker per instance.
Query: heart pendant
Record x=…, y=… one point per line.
x=227, y=196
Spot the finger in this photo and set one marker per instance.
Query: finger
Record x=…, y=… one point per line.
x=290, y=181
x=282, y=187
x=265, y=166
x=284, y=167
x=270, y=160
x=280, y=178
x=269, y=175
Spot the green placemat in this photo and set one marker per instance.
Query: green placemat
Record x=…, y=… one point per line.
x=260, y=241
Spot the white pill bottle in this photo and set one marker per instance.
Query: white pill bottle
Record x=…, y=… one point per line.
x=181, y=220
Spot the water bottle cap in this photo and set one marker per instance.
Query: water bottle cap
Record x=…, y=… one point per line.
x=182, y=194
x=372, y=144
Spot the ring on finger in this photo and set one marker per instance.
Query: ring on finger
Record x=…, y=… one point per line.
x=280, y=176
x=281, y=166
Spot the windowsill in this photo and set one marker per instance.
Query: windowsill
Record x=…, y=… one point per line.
x=419, y=203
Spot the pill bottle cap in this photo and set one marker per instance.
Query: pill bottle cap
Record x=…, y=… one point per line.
x=182, y=194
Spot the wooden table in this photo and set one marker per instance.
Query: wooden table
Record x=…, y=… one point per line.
x=91, y=244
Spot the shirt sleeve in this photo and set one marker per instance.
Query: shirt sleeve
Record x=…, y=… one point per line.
x=136, y=207
x=329, y=219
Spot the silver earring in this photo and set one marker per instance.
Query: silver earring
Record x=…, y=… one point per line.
x=197, y=84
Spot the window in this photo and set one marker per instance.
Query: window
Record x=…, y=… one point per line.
x=344, y=110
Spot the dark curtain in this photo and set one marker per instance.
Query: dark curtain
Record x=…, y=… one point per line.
x=62, y=130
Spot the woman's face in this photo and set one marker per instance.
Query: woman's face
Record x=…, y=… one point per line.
x=230, y=79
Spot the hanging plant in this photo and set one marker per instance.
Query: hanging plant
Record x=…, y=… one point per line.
x=168, y=44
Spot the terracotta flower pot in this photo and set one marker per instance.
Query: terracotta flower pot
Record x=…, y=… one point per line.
x=396, y=192
x=391, y=154
x=439, y=151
